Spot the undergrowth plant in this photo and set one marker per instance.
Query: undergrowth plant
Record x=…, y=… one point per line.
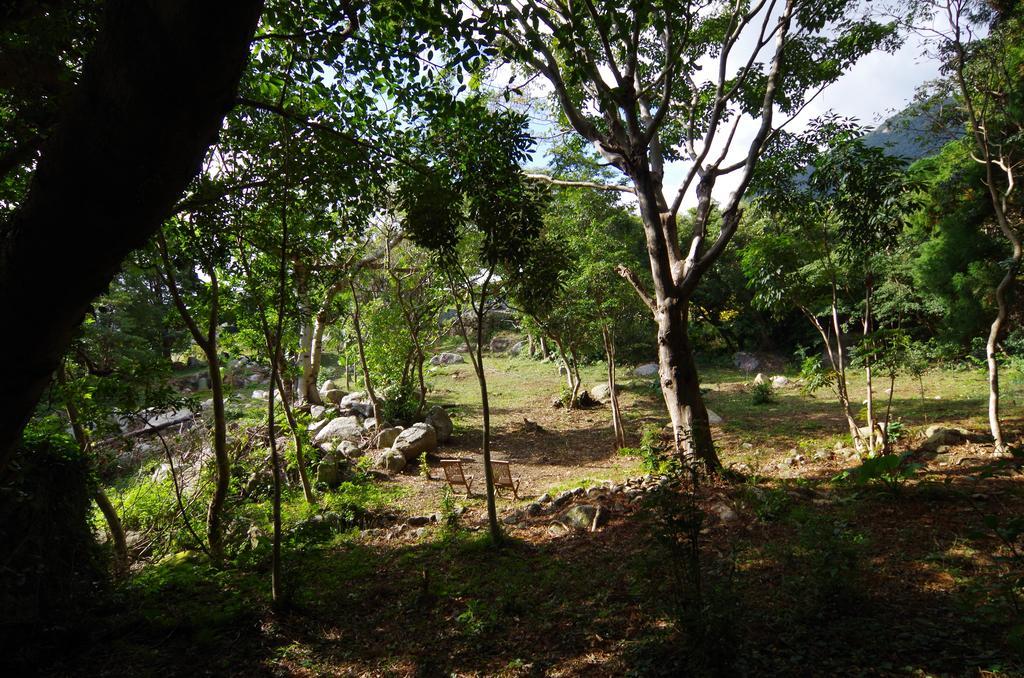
x=762, y=393
x=890, y=471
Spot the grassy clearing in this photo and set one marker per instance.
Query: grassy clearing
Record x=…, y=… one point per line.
x=814, y=577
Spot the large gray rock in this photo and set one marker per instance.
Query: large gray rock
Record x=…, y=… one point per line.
x=328, y=385
x=356, y=397
x=387, y=436
x=500, y=344
x=363, y=410
x=349, y=449
x=648, y=370
x=939, y=436
x=415, y=440
x=341, y=428
x=760, y=379
x=713, y=418
x=317, y=426
x=779, y=381
x=601, y=392
x=317, y=412
x=748, y=362
x=442, y=423
x=584, y=517
x=391, y=460
x=517, y=348
x=327, y=471
x=447, y=359
x=334, y=396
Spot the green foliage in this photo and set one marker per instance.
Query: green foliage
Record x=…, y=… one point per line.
x=654, y=457
x=890, y=471
x=767, y=503
x=814, y=374
x=762, y=393
x=449, y=511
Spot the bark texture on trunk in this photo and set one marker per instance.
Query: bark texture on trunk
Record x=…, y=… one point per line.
x=152, y=97
x=992, y=346
x=613, y=390
x=679, y=380
x=362, y=356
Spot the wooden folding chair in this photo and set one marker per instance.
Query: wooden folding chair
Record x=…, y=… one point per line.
x=501, y=472
x=454, y=474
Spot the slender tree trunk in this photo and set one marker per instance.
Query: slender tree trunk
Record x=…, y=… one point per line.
x=300, y=455
x=835, y=357
x=888, y=414
x=410, y=322
x=317, y=351
x=477, y=357
x=214, y=517
x=576, y=378
x=307, y=383
x=570, y=382
x=208, y=344
x=991, y=350
x=992, y=343
x=121, y=557
x=485, y=443
x=867, y=370
x=362, y=355
x=613, y=391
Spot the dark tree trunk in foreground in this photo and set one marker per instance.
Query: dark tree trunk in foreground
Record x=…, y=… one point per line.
x=152, y=98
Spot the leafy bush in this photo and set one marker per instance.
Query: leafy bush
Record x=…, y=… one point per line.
x=890, y=470
x=653, y=457
x=763, y=393
x=398, y=402
x=449, y=511
x=814, y=374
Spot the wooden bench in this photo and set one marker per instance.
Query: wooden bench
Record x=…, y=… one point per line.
x=501, y=473
x=454, y=474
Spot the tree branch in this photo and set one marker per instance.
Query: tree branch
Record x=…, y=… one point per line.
x=579, y=184
x=633, y=280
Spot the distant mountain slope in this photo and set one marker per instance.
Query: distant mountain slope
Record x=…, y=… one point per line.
x=916, y=132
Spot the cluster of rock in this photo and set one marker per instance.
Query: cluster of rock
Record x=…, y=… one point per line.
x=345, y=430
x=589, y=508
x=447, y=359
x=778, y=381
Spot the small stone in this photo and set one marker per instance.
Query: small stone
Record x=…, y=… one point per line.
x=512, y=518
x=544, y=498
x=418, y=521
x=533, y=509
x=725, y=513
x=562, y=498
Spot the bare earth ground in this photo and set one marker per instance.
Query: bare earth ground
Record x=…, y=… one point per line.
x=811, y=578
